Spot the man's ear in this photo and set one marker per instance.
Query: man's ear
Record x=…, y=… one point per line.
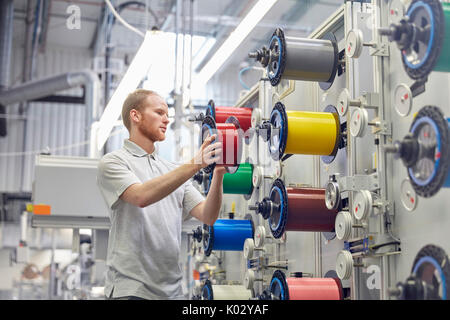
x=135, y=115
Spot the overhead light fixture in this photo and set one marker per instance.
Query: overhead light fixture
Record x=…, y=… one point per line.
x=247, y=24
x=138, y=69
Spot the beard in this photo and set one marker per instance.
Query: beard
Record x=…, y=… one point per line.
x=153, y=134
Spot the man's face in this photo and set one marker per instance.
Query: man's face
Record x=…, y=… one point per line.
x=154, y=118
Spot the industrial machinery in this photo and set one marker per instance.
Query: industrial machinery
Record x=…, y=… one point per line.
x=294, y=58
x=338, y=105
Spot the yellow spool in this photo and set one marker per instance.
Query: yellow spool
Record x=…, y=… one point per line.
x=304, y=132
x=312, y=132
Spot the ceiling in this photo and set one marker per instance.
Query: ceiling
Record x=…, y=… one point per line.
x=213, y=18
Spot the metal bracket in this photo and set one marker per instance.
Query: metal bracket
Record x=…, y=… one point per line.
x=360, y=182
x=379, y=50
x=382, y=127
x=370, y=100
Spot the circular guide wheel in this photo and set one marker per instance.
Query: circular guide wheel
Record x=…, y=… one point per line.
x=279, y=121
x=211, y=109
x=207, y=291
x=208, y=239
x=208, y=129
x=408, y=195
x=432, y=266
x=277, y=220
x=235, y=121
x=420, y=58
x=429, y=173
x=277, y=46
x=330, y=158
x=278, y=286
x=327, y=85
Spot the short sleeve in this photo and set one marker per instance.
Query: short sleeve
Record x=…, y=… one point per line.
x=192, y=197
x=113, y=178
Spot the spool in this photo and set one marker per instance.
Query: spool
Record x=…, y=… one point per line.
x=292, y=58
x=303, y=132
x=423, y=38
x=233, y=183
x=224, y=292
x=425, y=151
x=283, y=288
x=298, y=209
x=227, y=235
x=221, y=114
x=239, y=182
x=430, y=276
x=434, y=56
x=229, y=134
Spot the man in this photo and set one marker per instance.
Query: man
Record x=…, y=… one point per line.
x=149, y=198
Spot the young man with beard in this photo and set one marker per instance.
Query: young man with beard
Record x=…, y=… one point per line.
x=149, y=198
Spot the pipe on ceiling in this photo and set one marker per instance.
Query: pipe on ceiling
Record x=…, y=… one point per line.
x=47, y=86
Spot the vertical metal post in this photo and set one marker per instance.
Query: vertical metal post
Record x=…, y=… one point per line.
x=51, y=280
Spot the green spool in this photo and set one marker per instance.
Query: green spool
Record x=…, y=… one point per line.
x=443, y=64
x=239, y=182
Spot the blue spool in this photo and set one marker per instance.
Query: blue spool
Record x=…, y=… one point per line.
x=228, y=235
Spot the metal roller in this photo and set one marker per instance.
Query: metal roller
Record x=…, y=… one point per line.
x=293, y=58
x=231, y=139
x=423, y=36
x=425, y=151
x=225, y=234
x=283, y=288
x=210, y=291
x=296, y=209
x=303, y=132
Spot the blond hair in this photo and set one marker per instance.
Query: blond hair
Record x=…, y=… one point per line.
x=135, y=100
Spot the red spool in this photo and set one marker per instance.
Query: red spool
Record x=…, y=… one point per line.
x=299, y=209
x=314, y=289
x=221, y=114
x=293, y=288
x=308, y=212
x=231, y=139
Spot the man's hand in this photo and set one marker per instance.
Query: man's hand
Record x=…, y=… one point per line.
x=220, y=170
x=208, y=153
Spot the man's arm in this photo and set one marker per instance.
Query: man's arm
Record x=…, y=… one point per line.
x=151, y=191
x=208, y=211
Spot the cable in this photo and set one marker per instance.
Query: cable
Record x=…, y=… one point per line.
x=118, y=17
x=377, y=246
x=242, y=71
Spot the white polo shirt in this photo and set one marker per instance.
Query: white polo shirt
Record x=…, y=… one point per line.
x=144, y=243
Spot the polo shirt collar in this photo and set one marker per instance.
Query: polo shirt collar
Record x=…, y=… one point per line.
x=136, y=150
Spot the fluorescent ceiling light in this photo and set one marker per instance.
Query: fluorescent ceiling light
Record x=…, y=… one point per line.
x=145, y=56
x=247, y=24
